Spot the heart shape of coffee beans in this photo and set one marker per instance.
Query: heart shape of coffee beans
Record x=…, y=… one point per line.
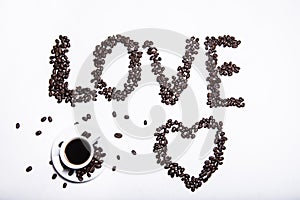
x=174, y=169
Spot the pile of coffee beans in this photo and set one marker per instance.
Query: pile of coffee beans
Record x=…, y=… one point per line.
x=227, y=69
x=174, y=169
x=213, y=98
x=169, y=91
x=96, y=163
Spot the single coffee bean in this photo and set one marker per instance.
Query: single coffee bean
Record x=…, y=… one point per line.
x=64, y=185
x=38, y=133
x=76, y=123
x=50, y=119
x=118, y=157
x=59, y=145
x=114, y=168
x=43, y=119
x=17, y=125
x=71, y=172
x=126, y=116
x=145, y=122
x=54, y=176
x=133, y=152
x=88, y=116
x=28, y=169
x=118, y=135
x=114, y=114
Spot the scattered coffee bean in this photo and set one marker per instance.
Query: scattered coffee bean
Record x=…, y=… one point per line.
x=133, y=152
x=17, y=125
x=118, y=157
x=28, y=169
x=71, y=172
x=50, y=119
x=59, y=145
x=145, y=122
x=54, y=176
x=43, y=119
x=76, y=123
x=126, y=116
x=84, y=119
x=114, y=168
x=38, y=133
x=88, y=116
x=118, y=135
x=114, y=114
x=64, y=185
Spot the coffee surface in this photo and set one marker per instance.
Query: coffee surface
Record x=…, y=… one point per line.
x=77, y=151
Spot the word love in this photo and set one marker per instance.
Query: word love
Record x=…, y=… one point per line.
x=170, y=88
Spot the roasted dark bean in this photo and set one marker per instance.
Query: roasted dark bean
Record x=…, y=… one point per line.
x=118, y=135
x=54, y=176
x=133, y=152
x=38, y=133
x=28, y=169
x=50, y=119
x=17, y=125
x=59, y=145
x=43, y=119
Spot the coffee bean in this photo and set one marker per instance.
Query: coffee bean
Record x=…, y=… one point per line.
x=50, y=119
x=118, y=135
x=114, y=114
x=126, y=116
x=71, y=172
x=114, y=168
x=54, y=176
x=38, y=133
x=17, y=125
x=145, y=122
x=133, y=152
x=76, y=123
x=28, y=169
x=118, y=157
x=43, y=119
x=88, y=116
x=64, y=185
x=59, y=145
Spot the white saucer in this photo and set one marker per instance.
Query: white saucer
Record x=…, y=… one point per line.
x=57, y=164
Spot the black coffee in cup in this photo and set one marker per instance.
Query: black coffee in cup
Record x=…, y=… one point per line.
x=78, y=151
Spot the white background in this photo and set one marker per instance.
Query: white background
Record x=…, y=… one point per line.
x=262, y=158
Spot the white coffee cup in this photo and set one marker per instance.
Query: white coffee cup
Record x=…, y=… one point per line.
x=64, y=158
